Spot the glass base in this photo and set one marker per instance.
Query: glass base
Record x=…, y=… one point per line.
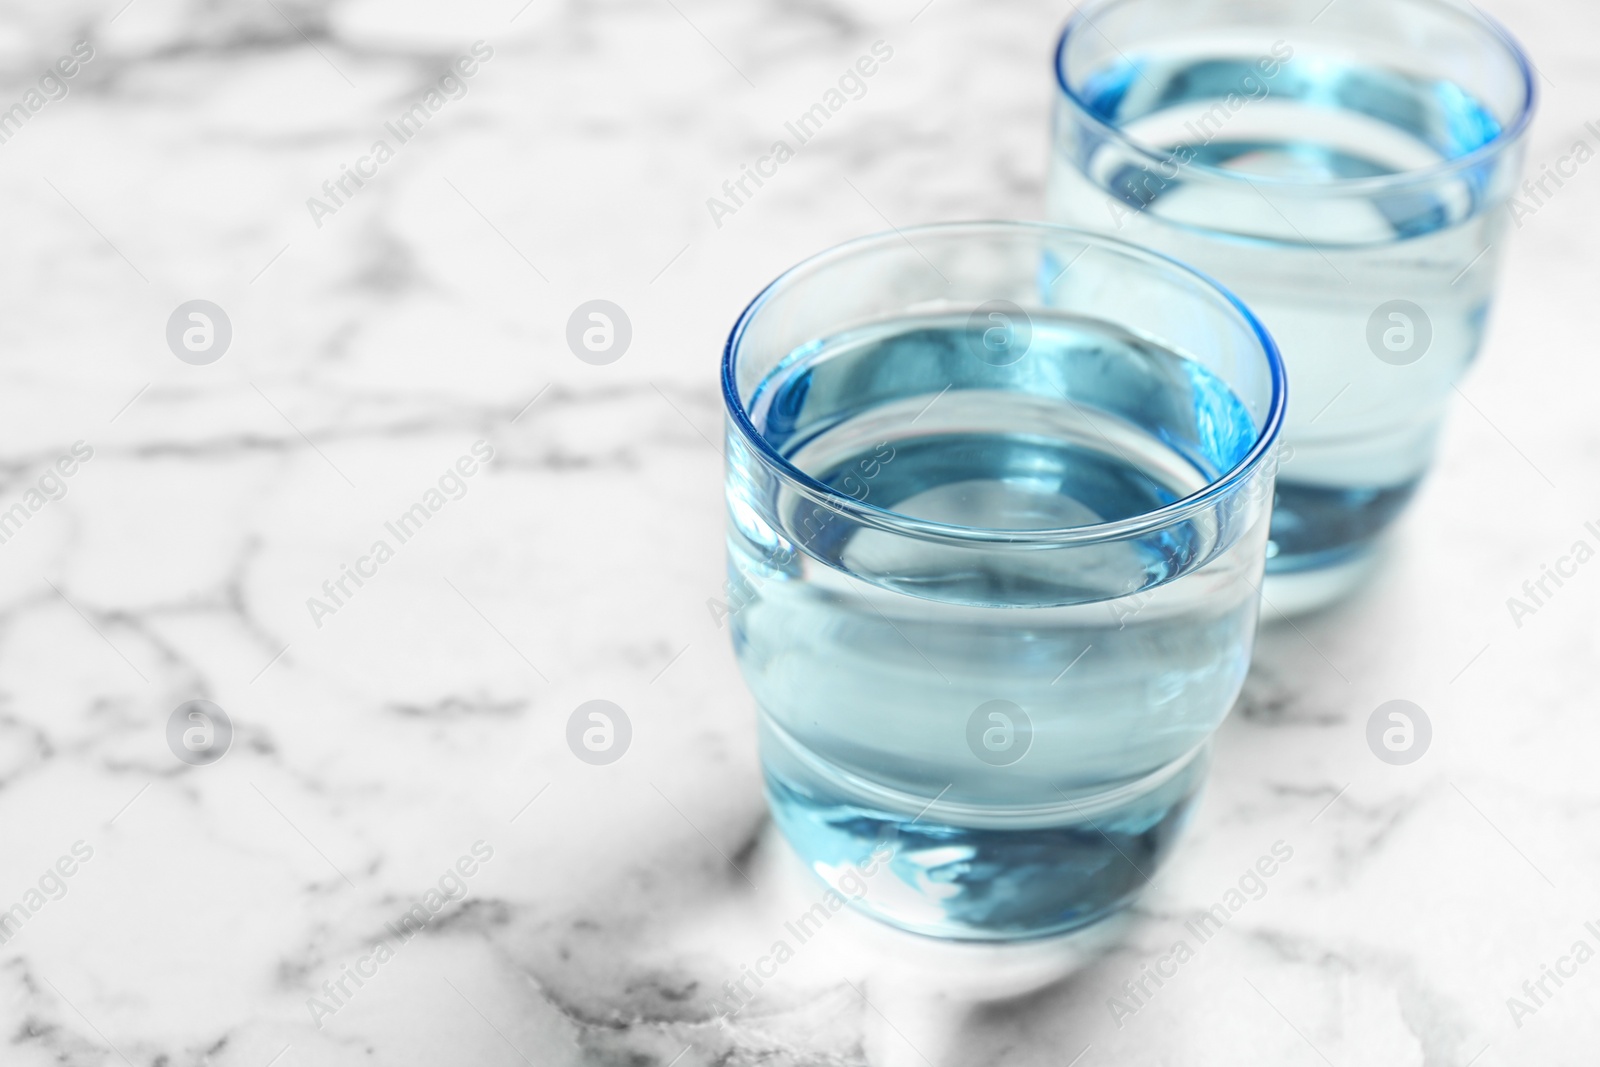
x=894, y=962
x=994, y=882
x=1324, y=543
x=1292, y=590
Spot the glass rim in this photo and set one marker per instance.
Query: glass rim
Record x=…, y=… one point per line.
x=1508, y=135
x=890, y=521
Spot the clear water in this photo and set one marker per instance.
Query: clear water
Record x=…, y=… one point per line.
x=1315, y=268
x=872, y=654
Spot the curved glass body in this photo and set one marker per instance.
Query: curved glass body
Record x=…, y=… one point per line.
x=998, y=498
x=1346, y=170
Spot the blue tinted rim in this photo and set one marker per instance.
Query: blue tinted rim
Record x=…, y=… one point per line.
x=1509, y=135
x=893, y=521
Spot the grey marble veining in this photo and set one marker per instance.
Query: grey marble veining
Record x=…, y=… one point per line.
x=215, y=912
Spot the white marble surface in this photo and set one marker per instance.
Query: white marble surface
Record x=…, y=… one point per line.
x=372, y=752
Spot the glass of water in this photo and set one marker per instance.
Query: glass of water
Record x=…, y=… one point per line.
x=1345, y=168
x=998, y=500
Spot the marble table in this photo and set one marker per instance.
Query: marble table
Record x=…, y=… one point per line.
x=399, y=859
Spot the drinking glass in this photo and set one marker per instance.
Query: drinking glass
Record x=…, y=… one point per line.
x=998, y=500
x=1346, y=169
